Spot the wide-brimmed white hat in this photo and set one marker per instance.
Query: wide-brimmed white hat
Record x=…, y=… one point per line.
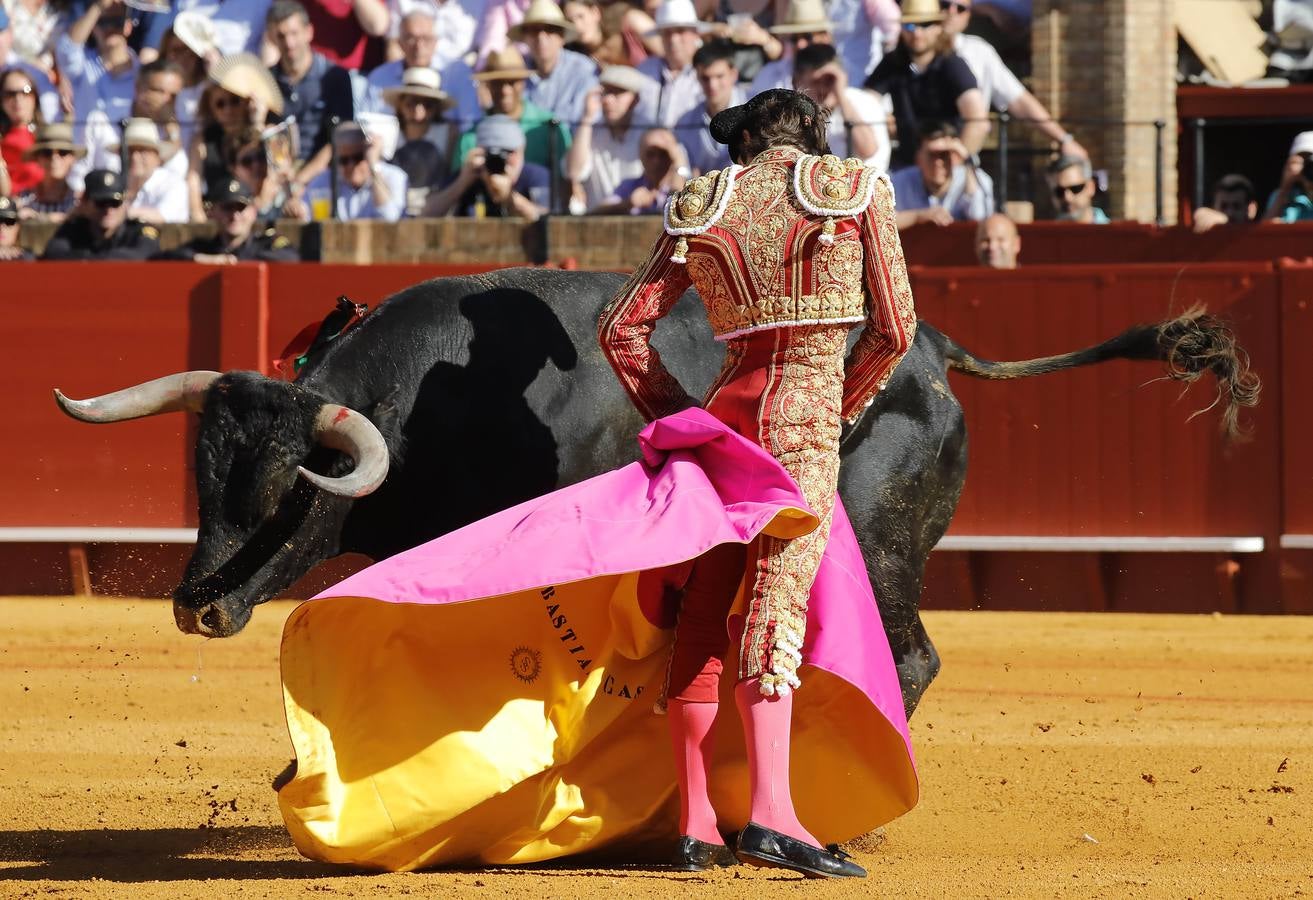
x=419, y=81
x=676, y=14
x=626, y=78
x=548, y=15
x=246, y=76
x=196, y=32
x=144, y=133
x=803, y=17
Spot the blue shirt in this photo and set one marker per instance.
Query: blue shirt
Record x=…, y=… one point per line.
x=95, y=88
x=358, y=203
x=564, y=90
x=910, y=193
x=324, y=92
x=693, y=131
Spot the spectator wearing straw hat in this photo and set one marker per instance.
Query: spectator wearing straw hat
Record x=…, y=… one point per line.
x=857, y=124
x=242, y=94
x=678, y=90
x=561, y=78
x=505, y=77
x=426, y=140
x=52, y=198
x=719, y=80
x=606, y=142
x=367, y=187
x=10, y=229
x=104, y=79
x=495, y=179
x=418, y=40
x=1000, y=88
x=804, y=23
x=927, y=82
x=154, y=194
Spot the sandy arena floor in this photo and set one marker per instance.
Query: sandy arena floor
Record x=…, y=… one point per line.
x=1061, y=755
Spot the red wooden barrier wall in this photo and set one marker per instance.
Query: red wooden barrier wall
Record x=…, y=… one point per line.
x=1102, y=451
x=1044, y=243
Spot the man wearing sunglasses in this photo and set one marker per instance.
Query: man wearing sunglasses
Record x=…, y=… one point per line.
x=1072, y=181
x=10, y=251
x=99, y=229
x=1001, y=89
x=103, y=80
x=54, y=151
x=237, y=238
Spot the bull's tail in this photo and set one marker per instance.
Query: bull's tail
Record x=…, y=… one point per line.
x=1189, y=345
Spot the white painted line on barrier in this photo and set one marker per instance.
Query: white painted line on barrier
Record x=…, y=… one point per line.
x=1297, y=542
x=77, y=535
x=1042, y=544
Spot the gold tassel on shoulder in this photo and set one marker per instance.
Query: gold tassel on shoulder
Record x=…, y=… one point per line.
x=827, y=231
x=681, y=252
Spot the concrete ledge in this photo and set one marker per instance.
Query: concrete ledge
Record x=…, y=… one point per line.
x=1019, y=543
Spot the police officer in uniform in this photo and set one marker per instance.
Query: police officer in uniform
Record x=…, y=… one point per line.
x=237, y=236
x=99, y=227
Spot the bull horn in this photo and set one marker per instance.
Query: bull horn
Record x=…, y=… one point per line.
x=183, y=391
x=348, y=431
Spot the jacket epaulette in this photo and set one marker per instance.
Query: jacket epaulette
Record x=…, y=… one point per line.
x=834, y=188
x=698, y=206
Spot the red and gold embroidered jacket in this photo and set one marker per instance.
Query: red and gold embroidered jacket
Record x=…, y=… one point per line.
x=790, y=239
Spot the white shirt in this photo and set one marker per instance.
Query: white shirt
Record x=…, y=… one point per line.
x=166, y=192
x=452, y=25
x=870, y=111
x=995, y=80
x=98, y=137
x=358, y=203
x=612, y=161
x=678, y=92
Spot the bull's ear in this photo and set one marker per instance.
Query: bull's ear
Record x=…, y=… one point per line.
x=386, y=416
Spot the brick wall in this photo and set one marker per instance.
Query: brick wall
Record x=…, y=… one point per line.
x=1107, y=70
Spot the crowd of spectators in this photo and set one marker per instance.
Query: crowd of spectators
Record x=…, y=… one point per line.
x=380, y=109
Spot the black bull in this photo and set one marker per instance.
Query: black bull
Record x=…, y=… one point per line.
x=490, y=390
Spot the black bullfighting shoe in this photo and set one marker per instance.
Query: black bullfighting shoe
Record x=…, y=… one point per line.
x=692, y=855
x=760, y=846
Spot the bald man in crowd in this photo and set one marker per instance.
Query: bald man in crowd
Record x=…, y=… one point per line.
x=997, y=242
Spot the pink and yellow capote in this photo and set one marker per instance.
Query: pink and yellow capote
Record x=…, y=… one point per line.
x=488, y=697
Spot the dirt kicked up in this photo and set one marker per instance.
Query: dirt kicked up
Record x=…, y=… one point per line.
x=1061, y=755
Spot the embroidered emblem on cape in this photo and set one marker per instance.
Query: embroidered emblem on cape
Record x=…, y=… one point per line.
x=698, y=206
x=526, y=664
x=829, y=186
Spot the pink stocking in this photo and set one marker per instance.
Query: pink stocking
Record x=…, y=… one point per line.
x=766, y=723
x=691, y=733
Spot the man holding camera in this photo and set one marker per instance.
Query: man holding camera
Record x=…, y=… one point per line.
x=495, y=179
x=1292, y=201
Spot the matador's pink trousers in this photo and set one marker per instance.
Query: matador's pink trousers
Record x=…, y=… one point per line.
x=782, y=388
